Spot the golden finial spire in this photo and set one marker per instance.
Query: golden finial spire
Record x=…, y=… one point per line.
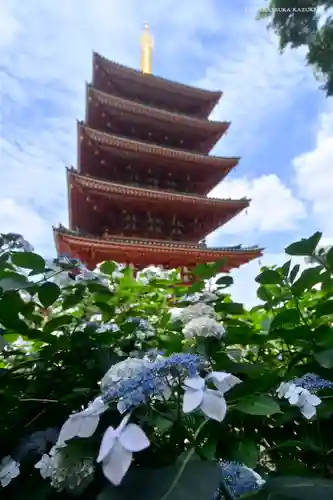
x=147, y=45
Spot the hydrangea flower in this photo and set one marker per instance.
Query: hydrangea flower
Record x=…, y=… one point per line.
x=313, y=382
x=239, y=479
x=203, y=326
x=37, y=443
x=210, y=402
x=223, y=381
x=84, y=423
x=66, y=470
x=117, y=448
x=196, y=395
x=9, y=469
x=123, y=370
x=297, y=396
x=196, y=311
x=152, y=380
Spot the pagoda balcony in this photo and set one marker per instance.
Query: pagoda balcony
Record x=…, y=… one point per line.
x=143, y=252
x=128, y=83
x=97, y=206
x=119, y=116
x=99, y=151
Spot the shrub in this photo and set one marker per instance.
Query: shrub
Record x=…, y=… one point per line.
x=108, y=394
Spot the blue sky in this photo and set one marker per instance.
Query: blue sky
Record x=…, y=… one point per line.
x=282, y=125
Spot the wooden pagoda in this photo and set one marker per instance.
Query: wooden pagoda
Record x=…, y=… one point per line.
x=139, y=194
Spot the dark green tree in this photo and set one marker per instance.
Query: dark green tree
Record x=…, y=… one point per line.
x=300, y=23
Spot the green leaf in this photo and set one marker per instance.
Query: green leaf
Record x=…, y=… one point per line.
x=246, y=453
x=153, y=484
x=305, y=246
x=48, y=293
x=230, y=308
x=163, y=424
x=108, y=267
x=28, y=260
x=74, y=298
x=286, y=268
x=264, y=294
x=285, y=317
x=307, y=280
x=13, y=281
x=294, y=272
x=299, y=488
x=259, y=405
x=269, y=277
x=329, y=258
x=225, y=280
x=325, y=358
x=207, y=271
x=58, y=322
x=208, y=450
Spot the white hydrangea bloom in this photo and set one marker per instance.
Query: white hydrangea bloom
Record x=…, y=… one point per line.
x=297, y=396
x=223, y=381
x=65, y=470
x=208, y=297
x=196, y=395
x=203, y=326
x=9, y=469
x=195, y=311
x=82, y=424
x=25, y=245
x=117, y=448
x=123, y=370
x=211, y=403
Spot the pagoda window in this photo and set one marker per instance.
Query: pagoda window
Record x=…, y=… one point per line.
x=177, y=227
x=155, y=225
x=130, y=221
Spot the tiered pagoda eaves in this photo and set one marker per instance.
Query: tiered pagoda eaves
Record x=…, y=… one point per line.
x=139, y=195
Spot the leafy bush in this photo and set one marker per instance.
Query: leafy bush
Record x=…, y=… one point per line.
x=116, y=387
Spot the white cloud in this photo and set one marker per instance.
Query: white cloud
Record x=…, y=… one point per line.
x=20, y=219
x=314, y=173
x=244, y=289
x=259, y=83
x=46, y=57
x=273, y=206
x=9, y=26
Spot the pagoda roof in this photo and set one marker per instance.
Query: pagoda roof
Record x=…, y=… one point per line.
x=144, y=148
x=134, y=193
x=149, y=252
x=134, y=107
x=157, y=82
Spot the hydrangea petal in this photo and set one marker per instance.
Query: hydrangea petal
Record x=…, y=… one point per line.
x=116, y=463
x=69, y=430
x=224, y=381
x=133, y=438
x=192, y=400
x=88, y=426
x=313, y=400
x=308, y=411
x=195, y=383
x=108, y=442
x=214, y=405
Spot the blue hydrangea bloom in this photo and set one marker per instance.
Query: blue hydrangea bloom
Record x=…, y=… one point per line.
x=141, y=323
x=313, y=382
x=37, y=443
x=239, y=479
x=152, y=379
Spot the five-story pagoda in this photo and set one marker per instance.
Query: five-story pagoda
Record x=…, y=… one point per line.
x=139, y=195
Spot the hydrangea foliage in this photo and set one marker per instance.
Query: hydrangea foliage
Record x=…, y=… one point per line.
x=104, y=388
